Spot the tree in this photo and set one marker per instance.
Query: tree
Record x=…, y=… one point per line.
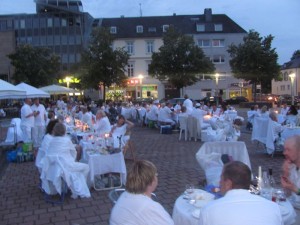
x=34, y=65
x=179, y=60
x=296, y=54
x=101, y=64
x=254, y=60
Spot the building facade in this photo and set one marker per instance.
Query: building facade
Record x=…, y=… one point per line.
x=63, y=27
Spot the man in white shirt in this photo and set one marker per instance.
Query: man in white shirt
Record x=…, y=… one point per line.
x=284, y=109
x=239, y=206
x=165, y=114
x=153, y=113
x=188, y=104
x=27, y=120
x=40, y=119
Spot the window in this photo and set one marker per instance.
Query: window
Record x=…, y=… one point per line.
x=285, y=76
x=49, y=22
x=165, y=28
x=218, y=27
x=22, y=24
x=200, y=27
x=203, y=43
x=129, y=47
x=152, y=29
x=113, y=30
x=130, y=70
x=63, y=22
x=139, y=29
x=282, y=87
x=149, y=46
x=218, y=59
x=218, y=43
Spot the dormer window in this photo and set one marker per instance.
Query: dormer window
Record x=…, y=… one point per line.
x=152, y=29
x=139, y=29
x=113, y=30
x=200, y=27
x=218, y=27
x=165, y=28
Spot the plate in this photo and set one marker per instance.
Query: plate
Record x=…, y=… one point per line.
x=202, y=198
x=196, y=213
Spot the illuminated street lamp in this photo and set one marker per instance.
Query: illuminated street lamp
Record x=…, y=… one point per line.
x=216, y=90
x=141, y=77
x=292, y=76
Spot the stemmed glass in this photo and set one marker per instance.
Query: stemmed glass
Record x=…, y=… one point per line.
x=189, y=189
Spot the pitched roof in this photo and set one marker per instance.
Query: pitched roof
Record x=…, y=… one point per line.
x=126, y=26
x=295, y=63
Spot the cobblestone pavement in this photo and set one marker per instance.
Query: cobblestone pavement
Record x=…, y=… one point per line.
x=23, y=203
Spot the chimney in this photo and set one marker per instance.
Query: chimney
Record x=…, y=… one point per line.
x=208, y=15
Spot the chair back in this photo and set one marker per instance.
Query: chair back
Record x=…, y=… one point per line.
x=260, y=129
x=183, y=122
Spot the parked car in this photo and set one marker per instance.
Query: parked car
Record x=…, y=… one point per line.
x=211, y=100
x=236, y=100
x=172, y=100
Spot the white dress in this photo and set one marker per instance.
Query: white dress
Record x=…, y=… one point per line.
x=138, y=209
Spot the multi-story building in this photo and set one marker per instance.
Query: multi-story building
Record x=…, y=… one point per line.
x=62, y=26
x=290, y=83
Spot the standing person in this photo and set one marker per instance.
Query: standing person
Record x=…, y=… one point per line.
x=188, y=104
x=135, y=205
x=27, y=120
x=40, y=119
x=239, y=206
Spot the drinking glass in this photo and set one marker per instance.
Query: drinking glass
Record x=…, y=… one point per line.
x=189, y=189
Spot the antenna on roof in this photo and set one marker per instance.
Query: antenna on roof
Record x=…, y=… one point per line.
x=141, y=13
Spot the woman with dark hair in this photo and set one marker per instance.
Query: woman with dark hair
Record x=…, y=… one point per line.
x=42, y=151
x=121, y=127
x=292, y=115
x=135, y=205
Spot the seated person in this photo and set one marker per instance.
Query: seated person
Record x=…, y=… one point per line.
x=239, y=206
x=2, y=113
x=135, y=205
x=42, y=151
x=264, y=111
x=284, y=109
x=62, y=147
x=215, y=111
x=120, y=131
x=102, y=125
x=292, y=116
x=277, y=127
x=290, y=179
x=165, y=114
x=250, y=115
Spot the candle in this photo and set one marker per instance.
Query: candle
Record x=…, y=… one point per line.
x=259, y=172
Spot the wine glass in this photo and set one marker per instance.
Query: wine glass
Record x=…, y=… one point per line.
x=189, y=189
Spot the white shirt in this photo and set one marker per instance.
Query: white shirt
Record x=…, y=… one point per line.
x=25, y=111
x=164, y=114
x=284, y=111
x=153, y=113
x=87, y=118
x=295, y=178
x=240, y=207
x=39, y=120
x=138, y=209
x=189, y=105
x=102, y=126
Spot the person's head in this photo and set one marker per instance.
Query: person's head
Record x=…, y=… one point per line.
x=51, y=115
x=293, y=110
x=197, y=105
x=264, y=109
x=169, y=104
x=183, y=109
x=284, y=105
x=235, y=175
x=186, y=96
x=252, y=107
x=28, y=101
x=50, y=126
x=121, y=120
x=256, y=107
x=100, y=114
x=36, y=101
x=155, y=102
x=59, y=129
x=292, y=150
x=141, y=177
x=214, y=107
x=273, y=116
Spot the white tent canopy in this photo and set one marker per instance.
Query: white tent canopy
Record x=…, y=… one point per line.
x=56, y=89
x=32, y=92
x=9, y=91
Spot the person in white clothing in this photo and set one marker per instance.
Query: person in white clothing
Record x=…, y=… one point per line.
x=239, y=206
x=102, y=125
x=27, y=120
x=290, y=179
x=284, y=110
x=188, y=104
x=153, y=113
x=135, y=206
x=86, y=116
x=40, y=119
x=165, y=114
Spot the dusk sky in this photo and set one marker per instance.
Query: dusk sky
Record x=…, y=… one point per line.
x=279, y=18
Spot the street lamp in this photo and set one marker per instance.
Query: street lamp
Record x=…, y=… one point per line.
x=141, y=77
x=68, y=80
x=216, y=90
x=292, y=76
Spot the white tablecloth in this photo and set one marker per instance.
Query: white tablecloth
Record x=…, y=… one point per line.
x=184, y=212
x=260, y=129
x=289, y=132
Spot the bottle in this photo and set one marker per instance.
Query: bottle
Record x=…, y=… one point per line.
x=265, y=180
x=271, y=179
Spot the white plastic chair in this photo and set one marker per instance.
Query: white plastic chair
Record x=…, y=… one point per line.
x=183, y=127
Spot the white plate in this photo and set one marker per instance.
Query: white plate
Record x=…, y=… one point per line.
x=202, y=198
x=196, y=213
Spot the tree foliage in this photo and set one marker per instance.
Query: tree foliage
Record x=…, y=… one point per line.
x=255, y=60
x=34, y=65
x=102, y=64
x=179, y=60
x=296, y=54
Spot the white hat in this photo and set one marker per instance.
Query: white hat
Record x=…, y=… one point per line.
x=198, y=105
x=156, y=102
